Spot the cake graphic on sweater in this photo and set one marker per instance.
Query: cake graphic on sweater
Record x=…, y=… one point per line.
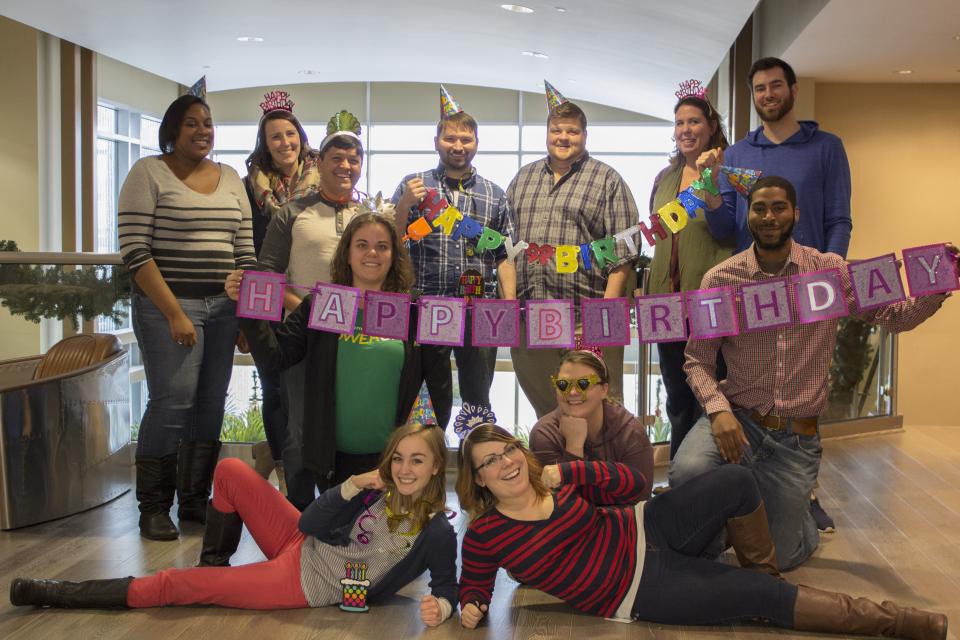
x=355, y=586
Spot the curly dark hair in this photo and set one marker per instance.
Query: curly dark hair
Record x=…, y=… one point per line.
x=399, y=277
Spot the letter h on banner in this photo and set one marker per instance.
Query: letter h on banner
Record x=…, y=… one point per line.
x=766, y=304
x=261, y=295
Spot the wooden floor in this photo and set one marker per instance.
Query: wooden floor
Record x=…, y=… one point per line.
x=895, y=497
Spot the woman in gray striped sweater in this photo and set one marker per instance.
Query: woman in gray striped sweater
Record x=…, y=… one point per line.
x=184, y=224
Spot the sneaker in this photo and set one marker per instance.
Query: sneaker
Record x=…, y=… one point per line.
x=822, y=518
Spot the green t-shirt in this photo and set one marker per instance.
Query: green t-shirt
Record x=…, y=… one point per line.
x=366, y=390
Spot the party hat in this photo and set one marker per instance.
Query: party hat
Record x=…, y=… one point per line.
x=741, y=179
x=554, y=97
x=199, y=88
x=448, y=106
x=343, y=123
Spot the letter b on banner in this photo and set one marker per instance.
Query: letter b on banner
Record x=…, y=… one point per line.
x=550, y=324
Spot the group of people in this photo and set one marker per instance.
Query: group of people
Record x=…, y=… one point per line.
x=571, y=512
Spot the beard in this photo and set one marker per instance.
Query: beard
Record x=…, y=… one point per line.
x=785, y=235
x=785, y=107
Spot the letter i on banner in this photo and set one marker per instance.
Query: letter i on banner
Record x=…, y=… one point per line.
x=930, y=269
x=334, y=308
x=441, y=320
x=766, y=304
x=495, y=323
x=819, y=296
x=660, y=318
x=876, y=282
x=386, y=314
x=606, y=321
x=712, y=313
x=261, y=295
x=550, y=324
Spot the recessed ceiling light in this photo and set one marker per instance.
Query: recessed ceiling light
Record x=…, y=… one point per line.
x=535, y=54
x=308, y=72
x=206, y=66
x=560, y=9
x=516, y=8
x=249, y=39
x=905, y=72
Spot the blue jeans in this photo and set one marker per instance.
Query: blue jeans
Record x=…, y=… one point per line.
x=680, y=587
x=785, y=465
x=187, y=385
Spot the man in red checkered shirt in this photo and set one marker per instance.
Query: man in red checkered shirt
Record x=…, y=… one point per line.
x=764, y=415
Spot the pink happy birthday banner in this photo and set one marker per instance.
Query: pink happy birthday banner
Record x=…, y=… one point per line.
x=550, y=324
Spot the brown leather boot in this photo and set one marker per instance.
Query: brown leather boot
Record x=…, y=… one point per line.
x=818, y=610
x=750, y=537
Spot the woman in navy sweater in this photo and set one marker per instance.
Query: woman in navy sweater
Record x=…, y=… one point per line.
x=640, y=562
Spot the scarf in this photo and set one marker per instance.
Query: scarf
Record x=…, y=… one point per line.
x=272, y=190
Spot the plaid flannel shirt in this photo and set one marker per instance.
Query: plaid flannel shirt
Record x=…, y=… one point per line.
x=438, y=259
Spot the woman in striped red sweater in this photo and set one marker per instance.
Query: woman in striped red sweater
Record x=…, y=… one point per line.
x=641, y=562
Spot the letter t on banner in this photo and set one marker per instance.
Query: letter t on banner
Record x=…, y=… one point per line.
x=334, y=308
x=876, y=282
x=606, y=321
x=386, y=314
x=930, y=269
x=819, y=296
x=261, y=295
x=660, y=318
x=495, y=323
x=550, y=324
x=441, y=320
x=712, y=313
x=766, y=304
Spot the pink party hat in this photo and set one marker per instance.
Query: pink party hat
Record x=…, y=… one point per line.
x=554, y=97
x=448, y=106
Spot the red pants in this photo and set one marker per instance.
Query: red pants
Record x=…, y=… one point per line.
x=272, y=584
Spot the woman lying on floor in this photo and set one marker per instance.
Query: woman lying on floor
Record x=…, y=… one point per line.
x=390, y=521
x=640, y=563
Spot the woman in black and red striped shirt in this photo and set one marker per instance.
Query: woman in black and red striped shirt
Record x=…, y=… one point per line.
x=639, y=562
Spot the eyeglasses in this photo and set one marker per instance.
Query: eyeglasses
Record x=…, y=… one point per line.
x=497, y=458
x=565, y=385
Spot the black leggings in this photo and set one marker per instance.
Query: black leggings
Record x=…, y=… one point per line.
x=680, y=587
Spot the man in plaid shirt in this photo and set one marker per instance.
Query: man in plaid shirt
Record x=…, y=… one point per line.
x=568, y=198
x=765, y=414
x=453, y=268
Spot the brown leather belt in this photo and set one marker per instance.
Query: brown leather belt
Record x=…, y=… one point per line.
x=801, y=426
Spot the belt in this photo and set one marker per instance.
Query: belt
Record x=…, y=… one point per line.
x=801, y=426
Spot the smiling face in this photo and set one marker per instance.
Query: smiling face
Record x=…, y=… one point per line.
x=457, y=146
x=771, y=217
x=692, y=130
x=502, y=468
x=283, y=142
x=566, y=139
x=195, y=138
x=578, y=403
x=412, y=466
x=371, y=255
x=773, y=98
x=340, y=171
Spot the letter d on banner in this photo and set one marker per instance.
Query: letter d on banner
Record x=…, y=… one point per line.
x=261, y=295
x=441, y=320
x=819, y=296
x=549, y=324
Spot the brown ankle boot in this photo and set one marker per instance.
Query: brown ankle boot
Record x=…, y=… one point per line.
x=750, y=537
x=817, y=610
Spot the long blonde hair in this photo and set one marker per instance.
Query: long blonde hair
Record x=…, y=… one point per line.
x=433, y=499
x=474, y=499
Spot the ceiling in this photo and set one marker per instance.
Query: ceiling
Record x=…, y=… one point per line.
x=624, y=53
x=871, y=40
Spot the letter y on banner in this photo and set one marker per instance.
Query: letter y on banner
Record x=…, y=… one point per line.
x=495, y=323
x=550, y=324
x=261, y=295
x=441, y=320
x=930, y=269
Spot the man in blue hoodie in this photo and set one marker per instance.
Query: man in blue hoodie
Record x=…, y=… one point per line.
x=812, y=160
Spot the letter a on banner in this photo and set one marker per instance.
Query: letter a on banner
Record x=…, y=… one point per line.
x=386, y=314
x=441, y=320
x=876, y=282
x=712, y=313
x=766, y=304
x=606, y=321
x=334, y=308
x=550, y=324
x=495, y=323
x=660, y=318
x=261, y=295
x=819, y=296
x=930, y=269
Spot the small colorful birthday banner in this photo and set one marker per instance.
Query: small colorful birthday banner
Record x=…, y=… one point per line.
x=817, y=296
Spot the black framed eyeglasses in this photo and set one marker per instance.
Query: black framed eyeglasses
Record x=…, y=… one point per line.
x=497, y=458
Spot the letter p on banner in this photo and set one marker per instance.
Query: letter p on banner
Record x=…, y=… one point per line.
x=441, y=321
x=261, y=295
x=386, y=314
